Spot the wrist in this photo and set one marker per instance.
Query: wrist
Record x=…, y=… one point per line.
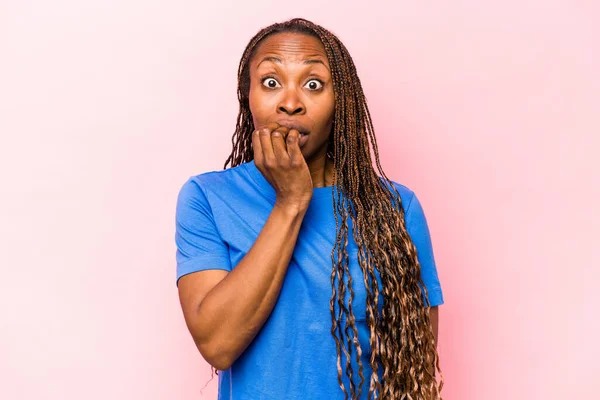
x=290, y=209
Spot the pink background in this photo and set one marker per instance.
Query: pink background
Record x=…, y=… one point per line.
x=488, y=111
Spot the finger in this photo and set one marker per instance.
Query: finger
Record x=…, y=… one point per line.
x=292, y=146
x=264, y=136
x=272, y=126
x=279, y=146
x=256, y=147
x=266, y=145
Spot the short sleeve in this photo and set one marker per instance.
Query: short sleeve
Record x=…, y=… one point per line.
x=416, y=225
x=199, y=245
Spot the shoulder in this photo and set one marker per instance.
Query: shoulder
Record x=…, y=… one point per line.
x=216, y=177
x=210, y=181
x=407, y=195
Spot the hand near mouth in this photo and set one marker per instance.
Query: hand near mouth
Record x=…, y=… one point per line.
x=294, y=125
x=278, y=157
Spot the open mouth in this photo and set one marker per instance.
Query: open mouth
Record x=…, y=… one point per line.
x=303, y=131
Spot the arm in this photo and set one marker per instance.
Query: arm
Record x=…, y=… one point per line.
x=434, y=316
x=416, y=225
x=225, y=310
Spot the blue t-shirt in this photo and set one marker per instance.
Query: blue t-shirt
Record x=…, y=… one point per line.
x=219, y=215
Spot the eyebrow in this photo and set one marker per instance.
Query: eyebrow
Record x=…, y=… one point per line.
x=277, y=60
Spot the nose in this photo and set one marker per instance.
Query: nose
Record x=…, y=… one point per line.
x=290, y=103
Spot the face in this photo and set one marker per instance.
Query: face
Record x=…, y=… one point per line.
x=290, y=83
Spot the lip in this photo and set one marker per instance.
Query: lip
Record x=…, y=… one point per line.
x=295, y=125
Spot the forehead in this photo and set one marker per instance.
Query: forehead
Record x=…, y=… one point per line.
x=291, y=47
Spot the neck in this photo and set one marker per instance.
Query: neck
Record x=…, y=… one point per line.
x=321, y=172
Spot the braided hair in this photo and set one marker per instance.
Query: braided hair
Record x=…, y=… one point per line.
x=402, y=341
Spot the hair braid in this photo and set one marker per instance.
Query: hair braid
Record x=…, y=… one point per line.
x=401, y=339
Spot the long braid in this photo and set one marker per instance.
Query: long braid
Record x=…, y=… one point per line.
x=401, y=337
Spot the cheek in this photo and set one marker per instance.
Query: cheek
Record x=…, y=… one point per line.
x=257, y=105
x=328, y=108
x=252, y=101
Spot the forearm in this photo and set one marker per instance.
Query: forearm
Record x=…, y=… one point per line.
x=434, y=316
x=233, y=312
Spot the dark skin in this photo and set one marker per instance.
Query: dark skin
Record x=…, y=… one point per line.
x=290, y=80
x=223, y=310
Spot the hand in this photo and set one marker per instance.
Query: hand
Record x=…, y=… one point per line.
x=283, y=166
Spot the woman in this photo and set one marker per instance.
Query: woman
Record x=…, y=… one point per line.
x=300, y=270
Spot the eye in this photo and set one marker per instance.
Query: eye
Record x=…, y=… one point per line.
x=314, y=84
x=269, y=82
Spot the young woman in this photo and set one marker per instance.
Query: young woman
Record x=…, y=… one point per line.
x=302, y=273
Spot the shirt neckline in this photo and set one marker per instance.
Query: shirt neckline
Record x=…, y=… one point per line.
x=261, y=181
